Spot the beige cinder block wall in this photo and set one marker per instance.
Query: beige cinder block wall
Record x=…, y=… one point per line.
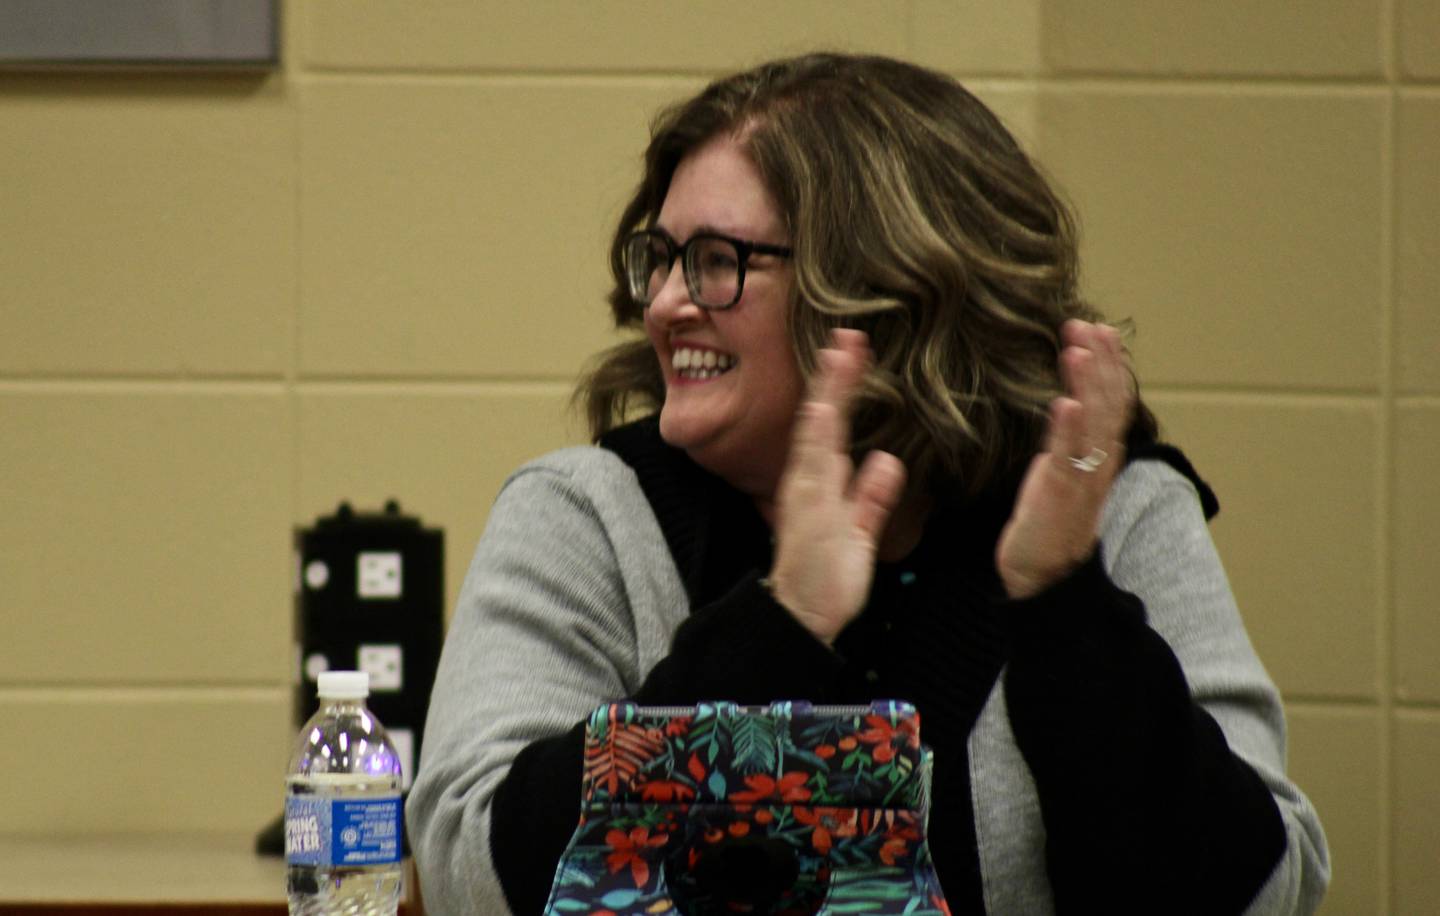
x=230, y=302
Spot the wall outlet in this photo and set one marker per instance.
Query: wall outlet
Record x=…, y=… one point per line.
x=379, y=575
x=385, y=665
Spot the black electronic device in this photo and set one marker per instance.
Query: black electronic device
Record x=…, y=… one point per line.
x=370, y=592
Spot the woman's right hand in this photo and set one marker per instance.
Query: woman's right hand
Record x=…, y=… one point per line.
x=829, y=517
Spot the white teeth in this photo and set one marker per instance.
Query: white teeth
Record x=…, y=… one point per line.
x=701, y=364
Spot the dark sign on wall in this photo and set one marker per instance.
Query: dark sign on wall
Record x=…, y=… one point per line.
x=139, y=33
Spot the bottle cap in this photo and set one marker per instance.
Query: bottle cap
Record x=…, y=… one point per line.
x=345, y=685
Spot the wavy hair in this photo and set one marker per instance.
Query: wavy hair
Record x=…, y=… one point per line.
x=916, y=217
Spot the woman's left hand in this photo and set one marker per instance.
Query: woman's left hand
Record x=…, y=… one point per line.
x=1056, y=521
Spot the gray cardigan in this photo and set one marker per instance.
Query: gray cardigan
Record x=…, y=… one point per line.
x=573, y=596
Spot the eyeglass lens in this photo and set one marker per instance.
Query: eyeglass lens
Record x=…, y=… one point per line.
x=711, y=265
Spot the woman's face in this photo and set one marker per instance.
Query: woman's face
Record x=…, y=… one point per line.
x=734, y=417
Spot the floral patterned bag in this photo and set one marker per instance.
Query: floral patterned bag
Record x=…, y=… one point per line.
x=787, y=809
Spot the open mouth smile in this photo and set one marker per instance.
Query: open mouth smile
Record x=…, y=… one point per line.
x=694, y=364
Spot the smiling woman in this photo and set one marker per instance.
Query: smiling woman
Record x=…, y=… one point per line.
x=736, y=423
x=872, y=444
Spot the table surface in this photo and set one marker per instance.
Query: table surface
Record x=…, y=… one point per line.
x=179, y=868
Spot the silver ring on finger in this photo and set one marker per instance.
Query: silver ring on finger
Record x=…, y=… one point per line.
x=1091, y=462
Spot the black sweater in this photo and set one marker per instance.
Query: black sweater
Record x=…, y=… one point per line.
x=1097, y=701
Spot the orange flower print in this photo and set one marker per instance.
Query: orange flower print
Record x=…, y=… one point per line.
x=898, y=841
x=807, y=815
x=763, y=787
x=626, y=849
x=828, y=823
x=820, y=839
x=892, y=849
x=677, y=726
x=883, y=737
x=824, y=751
x=880, y=731
x=666, y=790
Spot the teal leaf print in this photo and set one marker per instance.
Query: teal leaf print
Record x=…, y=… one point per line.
x=619, y=899
x=754, y=742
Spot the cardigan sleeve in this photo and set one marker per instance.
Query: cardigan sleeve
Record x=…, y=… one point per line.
x=544, y=631
x=1154, y=736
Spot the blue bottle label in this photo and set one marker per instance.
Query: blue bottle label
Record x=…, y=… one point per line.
x=342, y=831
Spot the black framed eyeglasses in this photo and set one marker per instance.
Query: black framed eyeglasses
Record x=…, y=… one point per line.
x=714, y=265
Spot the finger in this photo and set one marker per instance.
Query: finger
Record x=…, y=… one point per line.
x=1094, y=375
x=814, y=434
x=842, y=372
x=1110, y=365
x=817, y=440
x=1114, y=387
x=876, y=492
x=1065, y=437
x=1075, y=333
x=841, y=369
x=1086, y=335
x=1124, y=362
x=1073, y=454
x=1129, y=388
x=842, y=365
x=855, y=341
x=1077, y=374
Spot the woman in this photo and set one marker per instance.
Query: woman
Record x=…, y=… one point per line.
x=839, y=256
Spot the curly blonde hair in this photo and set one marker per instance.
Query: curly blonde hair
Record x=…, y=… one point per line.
x=914, y=216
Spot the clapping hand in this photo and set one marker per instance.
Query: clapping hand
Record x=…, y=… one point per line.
x=829, y=517
x=1056, y=521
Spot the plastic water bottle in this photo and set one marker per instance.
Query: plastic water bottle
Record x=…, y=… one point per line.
x=342, y=808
